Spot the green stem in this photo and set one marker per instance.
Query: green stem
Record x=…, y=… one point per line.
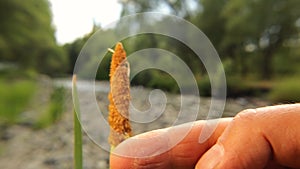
x=77, y=129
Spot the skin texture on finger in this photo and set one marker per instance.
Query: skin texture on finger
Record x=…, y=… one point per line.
x=275, y=165
x=256, y=137
x=185, y=154
x=283, y=133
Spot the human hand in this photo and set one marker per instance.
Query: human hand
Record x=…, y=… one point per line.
x=266, y=137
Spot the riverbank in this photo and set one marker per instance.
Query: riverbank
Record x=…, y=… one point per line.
x=21, y=146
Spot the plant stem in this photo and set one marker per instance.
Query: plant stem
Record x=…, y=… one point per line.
x=77, y=128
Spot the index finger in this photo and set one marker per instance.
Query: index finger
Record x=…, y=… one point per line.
x=148, y=154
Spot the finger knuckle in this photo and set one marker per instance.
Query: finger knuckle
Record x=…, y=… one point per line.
x=245, y=116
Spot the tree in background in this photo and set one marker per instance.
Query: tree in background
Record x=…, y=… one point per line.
x=210, y=20
x=257, y=40
x=183, y=9
x=247, y=34
x=262, y=28
x=27, y=36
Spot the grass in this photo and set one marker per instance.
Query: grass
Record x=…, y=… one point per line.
x=286, y=90
x=14, y=97
x=54, y=109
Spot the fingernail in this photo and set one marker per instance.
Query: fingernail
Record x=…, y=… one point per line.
x=144, y=145
x=211, y=158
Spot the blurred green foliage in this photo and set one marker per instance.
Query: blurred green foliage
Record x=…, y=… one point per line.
x=286, y=90
x=27, y=48
x=258, y=42
x=15, y=96
x=156, y=79
x=53, y=110
x=27, y=37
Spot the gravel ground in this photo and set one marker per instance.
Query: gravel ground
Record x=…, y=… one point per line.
x=51, y=148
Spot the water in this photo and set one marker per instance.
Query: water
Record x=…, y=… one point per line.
x=84, y=85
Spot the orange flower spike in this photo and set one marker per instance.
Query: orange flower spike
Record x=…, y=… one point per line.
x=119, y=97
x=118, y=56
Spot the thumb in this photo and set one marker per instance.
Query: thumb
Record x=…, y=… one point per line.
x=257, y=138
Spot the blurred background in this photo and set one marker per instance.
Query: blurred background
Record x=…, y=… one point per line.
x=258, y=42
